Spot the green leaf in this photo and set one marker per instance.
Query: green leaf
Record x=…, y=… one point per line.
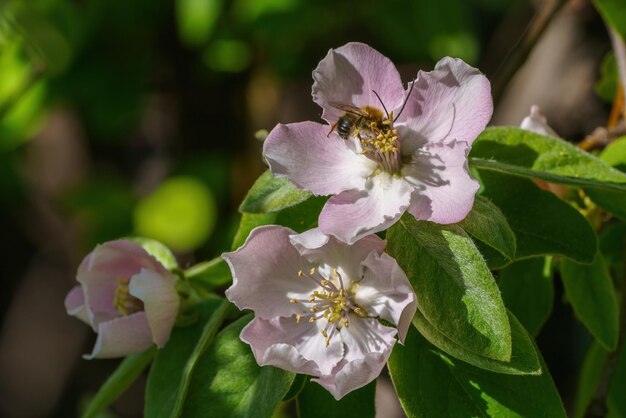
x=524, y=359
x=522, y=153
x=227, y=381
x=158, y=251
x=455, y=290
x=590, y=374
x=528, y=291
x=357, y=404
x=126, y=373
x=487, y=223
x=300, y=218
x=543, y=223
x=614, y=13
x=495, y=259
x=173, y=364
x=271, y=194
x=431, y=384
x=196, y=20
x=210, y=274
x=589, y=289
x=613, y=247
x=615, y=154
x=613, y=202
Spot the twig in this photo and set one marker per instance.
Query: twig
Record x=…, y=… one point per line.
x=520, y=51
x=620, y=57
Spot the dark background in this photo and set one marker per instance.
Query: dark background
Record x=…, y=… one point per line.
x=139, y=117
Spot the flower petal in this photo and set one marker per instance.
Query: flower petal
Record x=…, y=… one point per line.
x=304, y=154
x=444, y=188
x=368, y=346
x=345, y=258
x=349, y=75
x=451, y=102
x=75, y=304
x=297, y=347
x=122, y=336
x=386, y=291
x=265, y=274
x=160, y=299
x=354, y=214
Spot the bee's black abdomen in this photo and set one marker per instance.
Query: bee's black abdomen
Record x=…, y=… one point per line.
x=344, y=127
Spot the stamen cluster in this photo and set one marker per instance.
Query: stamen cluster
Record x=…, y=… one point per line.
x=331, y=301
x=123, y=301
x=383, y=146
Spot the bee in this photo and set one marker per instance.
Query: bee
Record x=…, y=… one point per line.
x=357, y=121
x=366, y=121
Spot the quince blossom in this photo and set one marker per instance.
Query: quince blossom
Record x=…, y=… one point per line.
x=317, y=304
x=127, y=297
x=390, y=150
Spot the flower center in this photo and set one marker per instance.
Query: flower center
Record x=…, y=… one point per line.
x=380, y=142
x=123, y=301
x=331, y=301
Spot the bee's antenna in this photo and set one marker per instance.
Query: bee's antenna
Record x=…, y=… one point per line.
x=381, y=102
x=405, y=101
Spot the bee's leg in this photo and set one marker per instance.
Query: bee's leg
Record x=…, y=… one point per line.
x=332, y=128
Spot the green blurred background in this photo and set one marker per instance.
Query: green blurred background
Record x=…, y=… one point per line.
x=139, y=117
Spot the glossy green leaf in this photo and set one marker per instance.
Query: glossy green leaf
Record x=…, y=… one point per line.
x=315, y=402
x=494, y=258
x=614, y=13
x=543, y=223
x=613, y=247
x=170, y=371
x=126, y=373
x=589, y=378
x=615, y=154
x=522, y=153
x=271, y=194
x=300, y=381
x=528, y=291
x=300, y=218
x=589, y=288
x=455, y=290
x=487, y=223
x=431, y=384
x=227, y=381
x=524, y=359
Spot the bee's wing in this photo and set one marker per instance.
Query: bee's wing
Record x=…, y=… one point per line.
x=349, y=109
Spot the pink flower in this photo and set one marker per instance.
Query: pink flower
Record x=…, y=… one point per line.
x=317, y=304
x=537, y=123
x=127, y=297
x=413, y=158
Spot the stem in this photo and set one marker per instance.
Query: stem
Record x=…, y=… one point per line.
x=518, y=55
x=208, y=333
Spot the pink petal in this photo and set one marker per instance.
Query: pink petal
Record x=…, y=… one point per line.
x=444, y=188
x=347, y=76
x=334, y=253
x=160, y=299
x=75, y=304
x=368, y=347
x=265, y=274
x=297, y=347
x=386, y=291
x=304, y=154
x=353, y=214
x=122, y=336
x=451, y=102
